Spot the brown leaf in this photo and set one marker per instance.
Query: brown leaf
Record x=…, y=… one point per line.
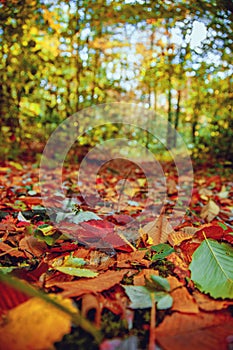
x=125, y=260
x=8, y=224
x=158, y=231
x=182, y=300
x=12, y=251
x=201, y=331
x=210, y=211
x=35, y=325
x=139, y=279
x=94, y=285
x=181, y=267
x=32, y=247
x=91, y=302
x=206, y=303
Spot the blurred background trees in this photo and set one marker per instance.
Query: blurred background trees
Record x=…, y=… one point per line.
x=174, y=57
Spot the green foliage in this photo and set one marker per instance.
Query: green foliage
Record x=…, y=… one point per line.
x=211, y=269
x=75, y=271
x=47, y=233
x=161, y=250
x=141, y=296
x=59, y=57
x=73, y=266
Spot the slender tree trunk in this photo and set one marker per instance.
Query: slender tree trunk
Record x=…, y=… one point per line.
x=177, y=117
x=169, y=126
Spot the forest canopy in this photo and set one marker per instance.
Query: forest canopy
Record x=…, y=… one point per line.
x=173, y=57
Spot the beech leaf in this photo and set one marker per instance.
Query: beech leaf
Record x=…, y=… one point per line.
x=211, y=269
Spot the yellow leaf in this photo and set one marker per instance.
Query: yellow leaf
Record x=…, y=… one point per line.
x=35, y=325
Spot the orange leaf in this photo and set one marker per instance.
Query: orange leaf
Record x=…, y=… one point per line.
x=206, y=303
x=94, y=285
x=202, y=331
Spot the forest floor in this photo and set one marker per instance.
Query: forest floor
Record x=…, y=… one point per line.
x=151, y=283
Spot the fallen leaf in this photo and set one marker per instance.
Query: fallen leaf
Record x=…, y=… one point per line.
x=35, y=325
x=32, y=247
x=78, y=272
x=211, y=269
x=77, y=218
x=207, y=303
x=139, y=279
x=158, y=230
x=161, y=251
x=219, y=232
x=129, y=259
x=210, y=211
x=201, y=331
x=175, y=238
x=140, y=297
x=12, y=251
x=92, y=302
x=182, y=300
x=181, y=267
x=102, y=282
x=205, y=193
x=10, y=297
x=95, y=233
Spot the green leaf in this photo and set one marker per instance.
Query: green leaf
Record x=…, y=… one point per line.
x=162, y=250
x=211, y=269
x=73, y=261
x=47, y=230
x=223, y=226
x=160, y=283
x=74, y=271
x=165, y=302
x=7, y=269
x=47, y=233
x=140, y=298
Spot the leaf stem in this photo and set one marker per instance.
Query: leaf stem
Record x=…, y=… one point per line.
x=152, y=323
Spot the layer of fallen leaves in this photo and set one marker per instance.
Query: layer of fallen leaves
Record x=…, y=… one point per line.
x=62, y=259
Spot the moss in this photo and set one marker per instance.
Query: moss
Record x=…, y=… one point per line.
x=164, y=267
